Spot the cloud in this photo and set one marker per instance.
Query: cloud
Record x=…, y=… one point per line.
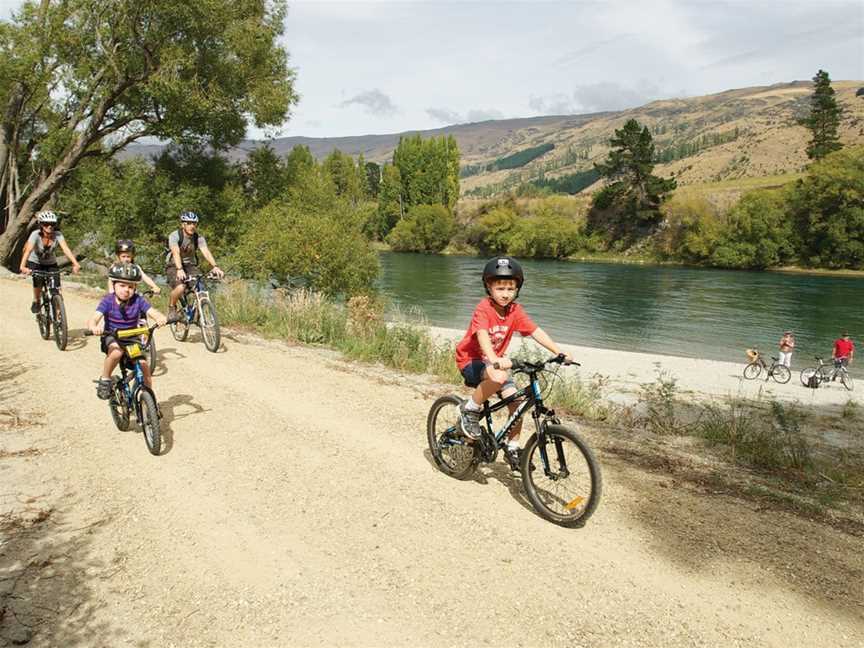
x=447, y=116
x=556, y=104
x=607, y=95
x=595, y=97
x=591, y=48
x=373, y=102
x=483, y=115
x=444, y=115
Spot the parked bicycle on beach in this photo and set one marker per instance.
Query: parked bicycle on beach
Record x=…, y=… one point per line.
x=195, y=307
x=560, y=475
x=823, y=372
x=779, y=372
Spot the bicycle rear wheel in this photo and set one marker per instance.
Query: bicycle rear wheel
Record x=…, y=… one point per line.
x=150, y=423
x=451, y=451
x=61, y=329
x=569, y=491
x=209, y=325
x=752, y=371
x=781, y=374
x=846, y=379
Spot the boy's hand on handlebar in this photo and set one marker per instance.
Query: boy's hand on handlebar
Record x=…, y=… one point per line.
x=25, y=270
x=503, y=363
x=97, y=329
x=160, y=319
x=217, y=272
x=76, y=268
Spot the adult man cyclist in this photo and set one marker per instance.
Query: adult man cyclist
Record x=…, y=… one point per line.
x=40, y=252
x=182, y=258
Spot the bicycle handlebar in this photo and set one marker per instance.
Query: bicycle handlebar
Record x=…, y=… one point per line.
x=50, y=273
x=150, y=329
x=526, y=366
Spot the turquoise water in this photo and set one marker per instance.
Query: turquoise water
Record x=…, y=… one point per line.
x=700, y=313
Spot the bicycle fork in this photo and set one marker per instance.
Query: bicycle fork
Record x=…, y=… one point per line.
x=542, y=443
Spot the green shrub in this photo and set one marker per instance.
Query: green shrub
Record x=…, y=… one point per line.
x=426, y=228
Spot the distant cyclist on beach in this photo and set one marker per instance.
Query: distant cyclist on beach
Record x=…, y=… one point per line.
x=844, y=349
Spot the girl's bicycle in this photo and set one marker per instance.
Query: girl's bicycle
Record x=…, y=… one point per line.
x=195, y=307
x=826, y=373
x=560, y=475
x=52, y=310
x=130, y=394
x=779, y=372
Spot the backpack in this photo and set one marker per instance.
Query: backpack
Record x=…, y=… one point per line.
x=180, y=237
x=813, y=382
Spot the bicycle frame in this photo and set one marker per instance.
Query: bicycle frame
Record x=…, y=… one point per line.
x=531, y=398
x=134, y=374
x=197, y=288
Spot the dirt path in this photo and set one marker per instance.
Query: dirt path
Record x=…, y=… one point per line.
x=296, y=505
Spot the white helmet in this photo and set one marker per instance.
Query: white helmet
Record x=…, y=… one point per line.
x=188, y=217
x=46, y=216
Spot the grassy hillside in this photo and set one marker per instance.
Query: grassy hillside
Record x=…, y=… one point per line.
x=756, y=127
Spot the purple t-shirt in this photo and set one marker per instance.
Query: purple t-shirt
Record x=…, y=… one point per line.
x=123, y=316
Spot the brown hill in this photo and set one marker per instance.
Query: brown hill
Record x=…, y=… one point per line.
x=743, y=133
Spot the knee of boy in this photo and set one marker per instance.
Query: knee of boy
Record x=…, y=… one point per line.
x=498, y=376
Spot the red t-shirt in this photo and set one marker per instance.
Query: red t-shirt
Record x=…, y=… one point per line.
x=499, y=327
x=842, y=348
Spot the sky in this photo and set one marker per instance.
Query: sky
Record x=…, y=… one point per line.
x=389, y=66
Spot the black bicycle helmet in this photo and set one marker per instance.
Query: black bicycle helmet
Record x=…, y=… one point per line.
x=503, y=267
x=124, y=245
x=128, y=272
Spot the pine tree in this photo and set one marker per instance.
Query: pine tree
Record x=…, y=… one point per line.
x=628, y=170
x=824, y=118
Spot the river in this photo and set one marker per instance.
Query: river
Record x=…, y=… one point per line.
x=691, y=312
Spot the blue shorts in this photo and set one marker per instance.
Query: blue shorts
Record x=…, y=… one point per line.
x=473, y=373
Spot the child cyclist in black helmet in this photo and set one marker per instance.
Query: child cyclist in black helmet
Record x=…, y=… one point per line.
x=121, y=309
x=124, y=252
x=493, y=323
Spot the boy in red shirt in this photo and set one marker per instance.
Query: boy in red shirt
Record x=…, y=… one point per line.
x=495, y=320
x=844, y=349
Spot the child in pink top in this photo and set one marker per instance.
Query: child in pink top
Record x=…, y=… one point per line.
x=480, y=355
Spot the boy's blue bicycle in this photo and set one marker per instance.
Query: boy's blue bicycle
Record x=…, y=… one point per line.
x=130, y=394
x=560, y=475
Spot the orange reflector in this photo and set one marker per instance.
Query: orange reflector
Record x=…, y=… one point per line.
x=572, y=504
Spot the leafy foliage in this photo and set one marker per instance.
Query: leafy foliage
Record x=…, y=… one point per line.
x=83, y=78
x=827, y=207
x=426, y=228
x=428, y=170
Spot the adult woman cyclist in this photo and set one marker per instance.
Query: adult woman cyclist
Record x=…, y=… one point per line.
x=40, y=252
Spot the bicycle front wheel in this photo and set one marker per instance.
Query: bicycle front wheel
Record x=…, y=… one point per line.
x=561, y=476
x=151, y=353
x=118, y=406
x=150, y=423
x=781, y=374
x=61, y=329
x=180, y=328
x=846, y=379
x=451, y=451
x=752, y=371
x=209, y=325
x=43, y=317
